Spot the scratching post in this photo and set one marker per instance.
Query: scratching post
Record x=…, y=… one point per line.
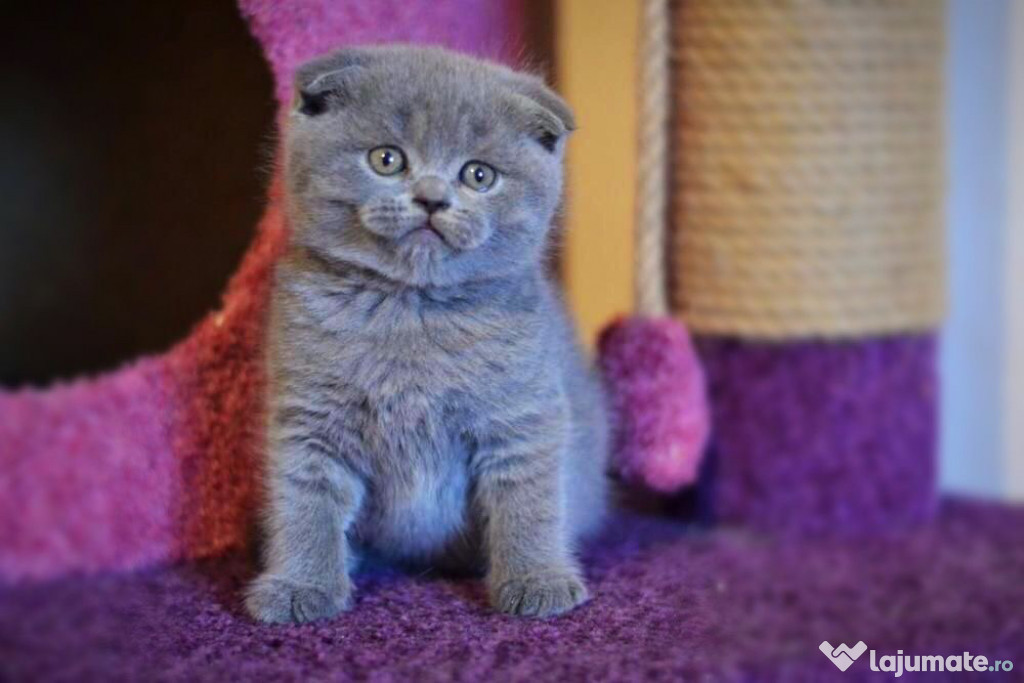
x=808, y=254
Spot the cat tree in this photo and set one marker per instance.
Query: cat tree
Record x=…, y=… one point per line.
x=805, y=255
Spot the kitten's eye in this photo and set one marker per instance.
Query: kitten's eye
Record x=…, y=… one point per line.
x=478, y=176
x=387, y=160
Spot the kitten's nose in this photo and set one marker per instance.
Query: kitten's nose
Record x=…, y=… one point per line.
x=432, y=193
x=431, y=205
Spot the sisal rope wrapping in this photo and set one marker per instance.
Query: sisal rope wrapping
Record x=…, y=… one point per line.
x=809, y=167
x=653, y=100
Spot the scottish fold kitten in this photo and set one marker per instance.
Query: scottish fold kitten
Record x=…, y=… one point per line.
x=428, y=403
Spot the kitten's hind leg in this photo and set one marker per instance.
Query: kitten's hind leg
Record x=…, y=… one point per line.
x=313, y=499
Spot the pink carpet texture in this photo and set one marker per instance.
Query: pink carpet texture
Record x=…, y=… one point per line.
x=157, y=461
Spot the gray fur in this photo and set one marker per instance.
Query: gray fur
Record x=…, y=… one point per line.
x=428, y=402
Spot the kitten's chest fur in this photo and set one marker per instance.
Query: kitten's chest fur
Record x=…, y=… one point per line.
x=415, y=373
x=415, y=464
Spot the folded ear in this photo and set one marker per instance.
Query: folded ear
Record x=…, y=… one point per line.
x=328, y=81
x=550, y=118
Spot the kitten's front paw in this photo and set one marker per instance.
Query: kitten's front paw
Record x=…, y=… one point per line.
x=540, y=594
x=277, y=600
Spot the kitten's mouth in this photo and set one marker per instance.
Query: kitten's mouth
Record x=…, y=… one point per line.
x=425, y=234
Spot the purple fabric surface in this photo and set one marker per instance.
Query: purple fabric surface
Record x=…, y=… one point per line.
x=821, y=437
x=670, y=602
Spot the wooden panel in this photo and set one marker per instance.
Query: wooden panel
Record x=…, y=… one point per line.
x=596, y=50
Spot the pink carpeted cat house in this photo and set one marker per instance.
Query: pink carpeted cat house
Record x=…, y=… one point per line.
x=156, y=461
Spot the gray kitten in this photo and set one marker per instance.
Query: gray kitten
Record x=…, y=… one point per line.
x=428, y=403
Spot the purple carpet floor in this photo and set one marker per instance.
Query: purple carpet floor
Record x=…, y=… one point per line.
x=670, y=603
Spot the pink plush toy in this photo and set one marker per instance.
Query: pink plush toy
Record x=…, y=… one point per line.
x=653, y=376
x=657, y=393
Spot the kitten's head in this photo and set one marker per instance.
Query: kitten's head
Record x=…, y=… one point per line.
x=428, y=167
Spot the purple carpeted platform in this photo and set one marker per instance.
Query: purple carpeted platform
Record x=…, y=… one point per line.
x=670, y=603
x=822, y=437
